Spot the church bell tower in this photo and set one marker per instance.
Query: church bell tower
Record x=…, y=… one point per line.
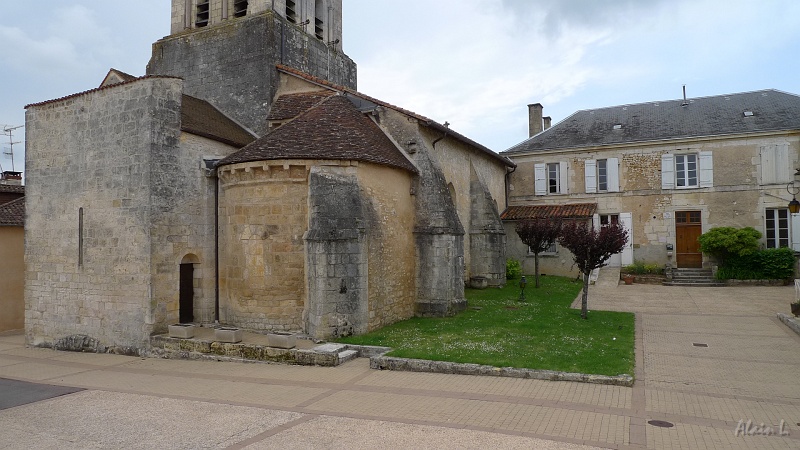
x=226, y=51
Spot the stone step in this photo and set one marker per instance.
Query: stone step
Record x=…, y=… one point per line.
x=347, y=355
x=694, y=283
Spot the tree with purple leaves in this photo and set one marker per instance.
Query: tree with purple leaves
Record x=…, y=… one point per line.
x=591, y=249
x=538, y=234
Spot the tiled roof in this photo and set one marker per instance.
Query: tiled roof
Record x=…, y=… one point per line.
x=203, y=119
x=721, y=115
x=332, y=130
x=291, y=105
x=12, y=214
x=573, y=211
x=12, y=188
x=422, y=119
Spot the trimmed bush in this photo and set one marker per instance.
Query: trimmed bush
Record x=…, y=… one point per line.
x=729, y=242
x=513, y=269
x=769, y=264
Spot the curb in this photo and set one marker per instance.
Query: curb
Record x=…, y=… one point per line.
x=423, y=365
x=790, y=322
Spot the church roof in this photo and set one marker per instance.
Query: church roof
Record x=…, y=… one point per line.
x=420, y=118
x=288, y=106
x=12, y=214
x=722, y=115
x=115, y=76
x=334, y=129
x=203, y=119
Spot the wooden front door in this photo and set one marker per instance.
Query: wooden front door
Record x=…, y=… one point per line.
x=688, y=227
x=186, y=302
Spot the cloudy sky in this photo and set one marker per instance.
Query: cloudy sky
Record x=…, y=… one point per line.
x=474, y=63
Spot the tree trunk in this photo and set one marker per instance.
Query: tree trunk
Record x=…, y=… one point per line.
x=585, y=298
x=536, y=268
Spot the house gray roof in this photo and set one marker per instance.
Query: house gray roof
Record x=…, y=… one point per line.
x=721, y=115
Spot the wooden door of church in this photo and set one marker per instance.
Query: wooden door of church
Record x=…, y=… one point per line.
x=186, y=312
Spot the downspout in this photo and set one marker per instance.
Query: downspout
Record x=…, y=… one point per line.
x=216, y=245
x=508, y=182
x=443, y=136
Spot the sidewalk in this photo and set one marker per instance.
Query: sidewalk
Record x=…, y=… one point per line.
x=747, y=371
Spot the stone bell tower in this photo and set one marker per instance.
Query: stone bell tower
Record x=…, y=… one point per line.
x=226, y=51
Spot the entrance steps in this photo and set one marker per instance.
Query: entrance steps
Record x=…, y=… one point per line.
x=693, y=278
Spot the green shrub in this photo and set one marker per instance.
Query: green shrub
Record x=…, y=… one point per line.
x=769, y=264
x=513, y=269
x=729, y=242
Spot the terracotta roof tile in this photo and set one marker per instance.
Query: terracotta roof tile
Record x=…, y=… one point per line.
x=203, y=119
x=291, y=105
x=422, y=119
x=12, y=214
x=573, y=211
x=12, y=188
x=332, y=130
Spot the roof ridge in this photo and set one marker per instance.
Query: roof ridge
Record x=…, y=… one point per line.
x=680, y=100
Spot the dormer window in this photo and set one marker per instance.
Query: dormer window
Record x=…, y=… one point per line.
x=239, y=8
x=202, y=13
x=291, y=14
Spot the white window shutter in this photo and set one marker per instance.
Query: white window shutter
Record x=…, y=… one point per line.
x=539, y=179
x=783, y=168
x=626, y=219
x=590, y=176
x=795, y=224
x=706, y=169
x=667, y=172
x=612, y=172
x=563, y=175
x=767, y=164
x=596, y=221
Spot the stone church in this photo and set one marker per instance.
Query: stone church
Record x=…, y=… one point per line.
x=245, y=181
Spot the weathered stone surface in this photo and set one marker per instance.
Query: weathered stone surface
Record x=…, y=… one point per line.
x=420, y=365
x=232, y=65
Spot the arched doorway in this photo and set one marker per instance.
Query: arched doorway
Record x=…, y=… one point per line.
x=186, y=289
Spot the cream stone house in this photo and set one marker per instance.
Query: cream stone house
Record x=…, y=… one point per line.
x=12, y=249
x=667, y=170
x=245, y=181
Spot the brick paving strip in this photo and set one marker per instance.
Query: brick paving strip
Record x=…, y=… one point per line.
x=703, y=392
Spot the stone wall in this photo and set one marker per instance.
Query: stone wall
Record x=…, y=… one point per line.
x=232, y=65
x=183, y=227
x=263, y=217
x=221, y=11
x=12, y=278
x=737, y=198
x=92, y=155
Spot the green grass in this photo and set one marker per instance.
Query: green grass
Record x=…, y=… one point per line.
x=499, y=330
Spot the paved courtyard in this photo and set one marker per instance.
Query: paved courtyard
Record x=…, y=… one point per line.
x=746, y=368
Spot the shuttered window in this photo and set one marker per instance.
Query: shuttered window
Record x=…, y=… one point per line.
x=776, y=168
x=777, y=227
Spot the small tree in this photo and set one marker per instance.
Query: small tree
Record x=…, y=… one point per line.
x=591, y=249
x=538, y=234
x=726, y=242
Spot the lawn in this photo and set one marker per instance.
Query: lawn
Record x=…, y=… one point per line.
x=499, y=330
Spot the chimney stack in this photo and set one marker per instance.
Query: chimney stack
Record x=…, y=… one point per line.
x=534, y=119
x=547, y=121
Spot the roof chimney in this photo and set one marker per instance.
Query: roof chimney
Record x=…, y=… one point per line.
x=534, y=119
x=547, y=121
